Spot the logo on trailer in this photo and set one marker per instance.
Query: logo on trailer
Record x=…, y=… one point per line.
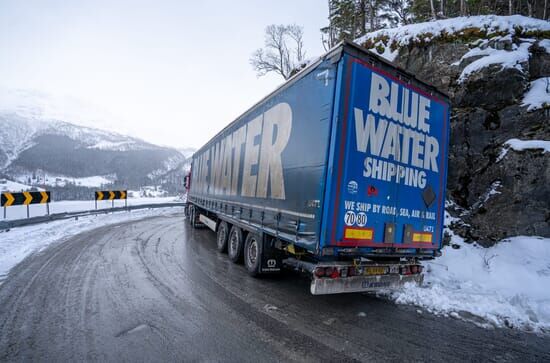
x=352, y=187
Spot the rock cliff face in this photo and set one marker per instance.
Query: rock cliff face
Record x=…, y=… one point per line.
x=498, y=180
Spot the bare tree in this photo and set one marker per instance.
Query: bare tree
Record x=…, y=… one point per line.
x=283, y=51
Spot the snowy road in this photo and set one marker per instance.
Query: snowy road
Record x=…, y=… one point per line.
x=156, y=290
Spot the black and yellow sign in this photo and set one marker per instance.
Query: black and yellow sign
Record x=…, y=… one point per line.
x=24, y=198
x=110, y=195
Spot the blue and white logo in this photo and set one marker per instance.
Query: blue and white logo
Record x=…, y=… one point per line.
x=353, y=187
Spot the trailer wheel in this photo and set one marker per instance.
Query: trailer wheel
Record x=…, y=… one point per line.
x=194, y=223
x=223, y=233
x=189, y=213
x=235, y=245
x=253, y=254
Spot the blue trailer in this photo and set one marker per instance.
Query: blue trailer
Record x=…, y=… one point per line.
x=339, y=173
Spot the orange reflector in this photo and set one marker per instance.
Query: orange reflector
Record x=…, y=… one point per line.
x=358, y=233
x=422, y=237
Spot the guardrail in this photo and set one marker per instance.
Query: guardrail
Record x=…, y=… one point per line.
x=68, y=215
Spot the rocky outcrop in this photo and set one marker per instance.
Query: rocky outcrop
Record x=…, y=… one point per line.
x=496, y=191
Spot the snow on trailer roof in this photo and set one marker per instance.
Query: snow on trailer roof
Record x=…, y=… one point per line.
x=335, y=52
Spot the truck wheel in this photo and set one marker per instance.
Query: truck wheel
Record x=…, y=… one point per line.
x=235, y=245
x=189, y=213
x=194, y=216
x=253, y=254
x=223, y=233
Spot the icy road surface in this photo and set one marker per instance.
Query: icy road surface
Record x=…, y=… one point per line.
x=156, y=290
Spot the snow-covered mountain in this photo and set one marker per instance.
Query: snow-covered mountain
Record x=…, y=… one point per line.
x=32, y=144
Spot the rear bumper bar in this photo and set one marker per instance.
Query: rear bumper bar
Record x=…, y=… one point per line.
x=323, y=286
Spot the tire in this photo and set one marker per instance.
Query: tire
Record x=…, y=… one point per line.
x=189, y=213
x=253, y=254
x=222, y=237
x=194, y=216
x=235, y=245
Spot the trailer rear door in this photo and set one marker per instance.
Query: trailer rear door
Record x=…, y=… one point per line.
x=389, y=161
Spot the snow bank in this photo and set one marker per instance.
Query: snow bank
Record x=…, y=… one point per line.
x=538, y=95
x=505, y=285
x=18, y=243
x=490, y=25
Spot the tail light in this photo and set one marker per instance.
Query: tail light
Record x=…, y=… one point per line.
x=335, y=273
x=319, y=272
x=405, y=270
x=328, y=271
x=351, y=271
x=414, y=269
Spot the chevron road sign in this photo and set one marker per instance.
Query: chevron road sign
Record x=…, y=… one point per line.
x=111, y=195
x=9, y=199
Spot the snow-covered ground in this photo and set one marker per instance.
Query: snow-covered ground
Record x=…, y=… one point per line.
x=18, y=243
x=507, y=285
x=20, y=211
x=11, y=186
x=62, y=180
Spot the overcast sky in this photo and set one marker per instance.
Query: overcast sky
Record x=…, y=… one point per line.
x=170, y=72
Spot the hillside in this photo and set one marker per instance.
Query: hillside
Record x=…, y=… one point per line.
x=32, y=147
x=496, y=69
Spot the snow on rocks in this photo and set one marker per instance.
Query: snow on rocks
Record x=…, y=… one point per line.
x=486, y=25
x=502, y=286
x=538, y=95
x=545, y=43
x=521, y=145
x=491, y=56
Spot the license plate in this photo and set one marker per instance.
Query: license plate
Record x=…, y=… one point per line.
x=375, y=270
x=375, y=284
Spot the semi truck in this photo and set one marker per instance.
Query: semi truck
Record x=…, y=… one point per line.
x=339, y=173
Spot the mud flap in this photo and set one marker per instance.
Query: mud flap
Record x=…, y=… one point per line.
x=272, y=259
